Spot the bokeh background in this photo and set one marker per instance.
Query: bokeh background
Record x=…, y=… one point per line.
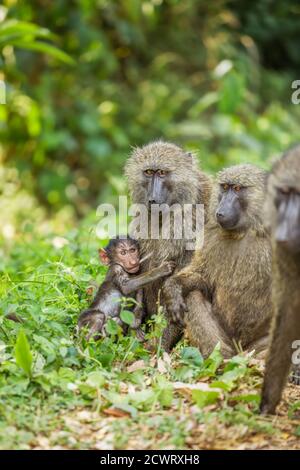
x=104, y=75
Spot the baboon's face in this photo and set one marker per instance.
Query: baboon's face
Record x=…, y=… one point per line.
x=230, y=213
x=127, y=255
x=157, y=186
x=286, y=227
x=162, y=173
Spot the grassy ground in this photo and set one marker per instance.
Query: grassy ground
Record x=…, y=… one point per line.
x=57, y=391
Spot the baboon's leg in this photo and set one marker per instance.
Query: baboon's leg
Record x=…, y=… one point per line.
x=140, y=335
x=278, y=362
x=260, y=346
x=95, y=324
x=203, y=328
x=171, y=335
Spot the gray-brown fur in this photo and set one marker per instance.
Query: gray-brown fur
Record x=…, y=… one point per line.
x=226, y=290
x=122, y=279
x=286, y=277
x=188, y=185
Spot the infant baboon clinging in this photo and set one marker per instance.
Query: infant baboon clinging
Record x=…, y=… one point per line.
x=123, y=260
x=163, y=173
x=283, y=214
x=231, y=275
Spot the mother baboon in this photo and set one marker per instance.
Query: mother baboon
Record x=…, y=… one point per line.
x=224, y=295
x=163, y=173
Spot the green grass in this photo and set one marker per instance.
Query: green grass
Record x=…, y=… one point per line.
x=57, y=390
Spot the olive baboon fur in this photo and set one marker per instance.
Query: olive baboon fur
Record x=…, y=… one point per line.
x=187, y=184
x=227, y=286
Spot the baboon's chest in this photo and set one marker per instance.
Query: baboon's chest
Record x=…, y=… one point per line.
x=242, y=292
x=161, y=250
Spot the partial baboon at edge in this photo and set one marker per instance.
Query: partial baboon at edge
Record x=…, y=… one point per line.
x=224, y=295
x=283, y=215
x=163, y=173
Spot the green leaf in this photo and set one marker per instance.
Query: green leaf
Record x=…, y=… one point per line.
x=128, y=409
x=234, y=370
x=191, y=355
x=164, y=390
x=183, y=374
x=95, y=379
x=16, y=29
x=231, y=376
x=127, y=317
x=143, y=399
x=44, y=47
x=213, y=362
x=232, y=92
x=247, y=398
x=22, y=353
x=297, y=431
x=106, y=359
x=165, y=397
x=223, y=385
x=203, y=398
x=294, y=407
x=112, y=327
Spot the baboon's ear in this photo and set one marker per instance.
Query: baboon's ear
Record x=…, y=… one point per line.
x=104, y=258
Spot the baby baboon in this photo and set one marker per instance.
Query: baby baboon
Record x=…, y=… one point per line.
x=163, y=173
x=123, y=259
x=231, y=275
x=283, y=214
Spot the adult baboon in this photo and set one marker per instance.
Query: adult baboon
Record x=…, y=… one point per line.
x=231, y=276
x=163, y=173
x=283, y=214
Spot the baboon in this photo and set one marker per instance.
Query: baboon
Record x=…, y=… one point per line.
x=123, y=259
x=163, y=173
x=283, y=216
x=224, y=295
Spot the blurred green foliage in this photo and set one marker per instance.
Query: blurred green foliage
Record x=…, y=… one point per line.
x=213, y=76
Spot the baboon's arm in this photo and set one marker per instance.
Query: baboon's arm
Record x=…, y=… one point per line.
x=138, y=310
x=189, y=280
x=177, y=288
x=128, y=285
x=203, y=328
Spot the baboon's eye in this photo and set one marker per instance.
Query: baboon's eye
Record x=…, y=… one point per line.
x=161, y=173
x=123, y=252
x=284, y=191
x=225, y=187
x=148, y=172
x=237, y=188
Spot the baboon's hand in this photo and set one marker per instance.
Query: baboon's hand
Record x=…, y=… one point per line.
x=174, y=301
x=265, y=408
x=139, y=314
x=168, y=267
x=140, y=335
